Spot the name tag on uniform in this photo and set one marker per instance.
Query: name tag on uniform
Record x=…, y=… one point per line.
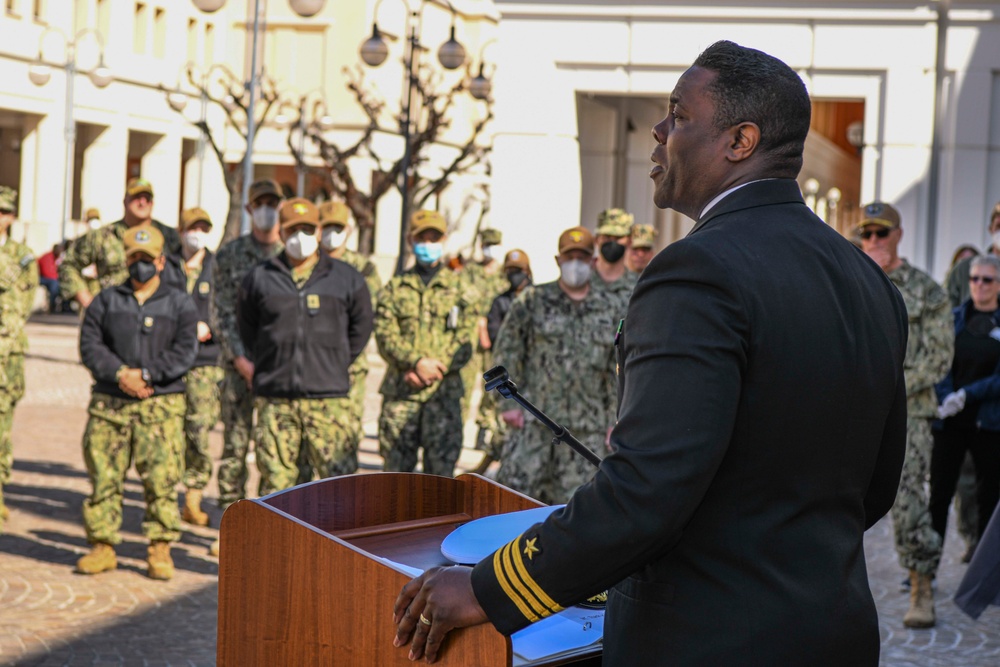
x=203, y=288
x=312, y=303
x=452, y=322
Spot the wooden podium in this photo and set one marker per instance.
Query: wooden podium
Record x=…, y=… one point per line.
x=302, y=580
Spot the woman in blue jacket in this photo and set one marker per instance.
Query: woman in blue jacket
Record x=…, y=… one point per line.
x=970, y=400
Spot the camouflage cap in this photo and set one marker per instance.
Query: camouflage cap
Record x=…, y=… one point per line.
x=490, y=236
x=614, y=222
x=8, y=198
x=517, y=259
x=92, y=214
x=422, y=220
x=298, y=210
x=879, y=213
x=138, y=186
x=643, y=236
x=143, y=238
x=193, y=215
x=576, y=238
x=334, y=213
x=262, y=188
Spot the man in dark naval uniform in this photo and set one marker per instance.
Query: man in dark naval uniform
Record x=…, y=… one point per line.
x=761, y=424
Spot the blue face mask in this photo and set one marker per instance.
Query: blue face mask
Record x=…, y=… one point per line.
x=428, y=253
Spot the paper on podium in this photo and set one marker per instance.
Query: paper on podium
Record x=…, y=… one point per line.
x=470, y=543
x=560, y=634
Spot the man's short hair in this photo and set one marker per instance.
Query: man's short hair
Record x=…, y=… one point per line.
x=986, y=260
x=752, y=86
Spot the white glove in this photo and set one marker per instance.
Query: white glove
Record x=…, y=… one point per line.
x=952, y=404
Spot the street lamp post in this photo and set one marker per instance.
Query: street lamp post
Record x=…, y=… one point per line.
x=304, y=8
x=39, y=73
x=374, y=51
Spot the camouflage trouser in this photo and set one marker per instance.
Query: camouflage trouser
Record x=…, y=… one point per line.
x=917, y=544
x=150, y=433
x=472, y=375
x=404, y=427
x=547, y=472
x=492, y=429
x=237, y=419
x=358, y=374
x=11, y=391
x=966, y=504
x=201, y=395
x=323, y=428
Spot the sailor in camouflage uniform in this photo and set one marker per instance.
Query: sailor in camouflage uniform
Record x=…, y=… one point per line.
x=614, y=228
x=233, y=261
x=202, y=383
x=487, y=279
x=102, y=247
x=335, y=228
x=303, y=318
x=138, y=340
x=928, y=359
x=641, y=248
x=18, y=282
x=557, y=343
x=424, y=323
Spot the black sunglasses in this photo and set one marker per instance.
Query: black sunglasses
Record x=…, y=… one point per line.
x=986, y=280
x=881, y=233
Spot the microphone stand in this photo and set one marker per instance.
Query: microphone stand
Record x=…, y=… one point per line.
x=497, y=378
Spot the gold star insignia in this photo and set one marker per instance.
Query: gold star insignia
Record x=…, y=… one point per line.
x=530, y=549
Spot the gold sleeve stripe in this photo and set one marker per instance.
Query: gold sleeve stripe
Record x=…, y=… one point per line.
x=550, y=605
x=499, y=571
x=510, y=553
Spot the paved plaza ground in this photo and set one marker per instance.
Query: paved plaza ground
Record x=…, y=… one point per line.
x=50, y=616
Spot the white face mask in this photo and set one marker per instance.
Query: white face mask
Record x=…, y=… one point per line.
x=265, y=218
x=195, y=241
x=301, y=245
x=94, y=223
x=333, y=239
x=575, y=273
x=491, y=252
x=996, y=240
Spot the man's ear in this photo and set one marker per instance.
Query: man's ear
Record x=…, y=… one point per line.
x=743, y=142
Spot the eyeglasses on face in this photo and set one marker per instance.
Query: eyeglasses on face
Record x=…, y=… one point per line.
x=881, y=233
x=986, y=280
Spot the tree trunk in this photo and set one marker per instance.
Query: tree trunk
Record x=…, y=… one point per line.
x=234, y=183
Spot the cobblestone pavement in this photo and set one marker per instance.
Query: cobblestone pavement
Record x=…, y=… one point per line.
x=50, y=616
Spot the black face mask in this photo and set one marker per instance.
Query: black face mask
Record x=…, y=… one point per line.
x=517, y=278
x=142, y=271
x=612, y=251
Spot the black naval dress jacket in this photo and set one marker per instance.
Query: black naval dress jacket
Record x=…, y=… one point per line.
x=761, y=431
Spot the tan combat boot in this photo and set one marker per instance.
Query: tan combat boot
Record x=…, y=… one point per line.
x=192, y=508
x=100, y=559
x=921, y=612
x=161, y=566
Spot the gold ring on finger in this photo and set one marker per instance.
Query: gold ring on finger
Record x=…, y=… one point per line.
x=425, y=620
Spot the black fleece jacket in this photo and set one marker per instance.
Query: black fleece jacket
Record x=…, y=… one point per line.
x=161, y=336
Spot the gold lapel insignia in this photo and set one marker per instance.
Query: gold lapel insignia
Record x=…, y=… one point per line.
x=312, y=301
x=203, y=288
x=148, y=323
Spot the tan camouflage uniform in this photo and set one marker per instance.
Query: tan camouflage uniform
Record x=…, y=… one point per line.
x=929, y=353
x=18, y=282
x=487, y=284
x=232, y=262
x=149, y=432
x=413, y=320
x=103, y=248
x=359, y=368
x=320, y=431
x=560, y=353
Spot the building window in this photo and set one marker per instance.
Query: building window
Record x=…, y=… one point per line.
x=11, y=7
x=139, y=28
x=159, y=33
x=38, y=10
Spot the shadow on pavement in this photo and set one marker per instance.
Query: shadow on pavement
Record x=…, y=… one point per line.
x=180, y=631
x=49, y=468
